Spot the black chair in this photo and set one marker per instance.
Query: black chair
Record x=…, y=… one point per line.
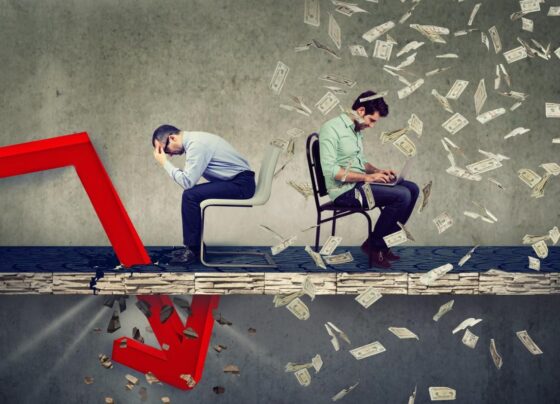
x=320, y=190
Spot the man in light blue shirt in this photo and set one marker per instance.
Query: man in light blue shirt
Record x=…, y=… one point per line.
x=211, y=157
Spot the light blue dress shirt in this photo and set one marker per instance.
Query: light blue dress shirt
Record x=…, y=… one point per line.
x=208, y=156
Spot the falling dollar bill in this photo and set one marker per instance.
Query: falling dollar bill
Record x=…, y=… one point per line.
x=334, y=31
x=431, y=276
x=309, y=288
x=377, y=31
x=334, y=340
x=412, y=397
x=413, y=45
x=483, y=166
x=469, y=339
x=279, y=77
x=392, y=135
x=553, y=11
x=480, y=96
x=534, y=263
x=490, y=115
x=473, y=13
x=343, y=392
x=528, y=342
x=340, y=333
x=396, y=238
x=283, y=300
x=469, y=322
x=443, y=310
x=443, y=222
x=552, y=110
x=406, y=231
x=416, y=124
x=316, y=257
x=338, y=259
x=467, y=256
x=455, y=123
x=338, y=80
x=403, y=333
x=358, y=50
x=368, y=350
x=382, y=50
x=317, y=363
x=442, y=393
x=457, y=89
x=368, y=297
x=515, y=54
x=529, y=177
x=554, y=234
x=551, y=168
x=426, y=191
x=516, y=132
x=327, y=103
x=294, y=367
x=541, y=249
x=298, y=309
x=325, y=48
x=303, y=377
x=496, y=41
x=530, y=6
x=312, y=13
x=370, y=200
x=406, y=91
x=442, y=100
x=330, y=245
x=538, y=189
x=405, y=145
x=496, y=358
x=432, y=32
x=459, y=172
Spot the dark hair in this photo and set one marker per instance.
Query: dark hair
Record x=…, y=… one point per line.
x=162, y=133
x=371, y=106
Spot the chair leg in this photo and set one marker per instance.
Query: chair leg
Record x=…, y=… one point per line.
x=370, y=245
x=333, y=231
x=318, y=232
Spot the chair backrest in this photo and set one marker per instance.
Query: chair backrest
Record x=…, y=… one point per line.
x=315, y=170
x=266, y=174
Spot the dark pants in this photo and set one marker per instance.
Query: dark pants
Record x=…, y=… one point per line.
x=398, y=203
x=242, y=186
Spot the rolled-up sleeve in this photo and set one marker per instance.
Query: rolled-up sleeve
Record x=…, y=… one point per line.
x=198, y=157
x=328, y=145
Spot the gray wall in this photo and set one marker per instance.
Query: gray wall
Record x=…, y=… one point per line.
x=119, y=69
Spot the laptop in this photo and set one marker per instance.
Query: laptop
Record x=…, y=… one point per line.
x=400, y=177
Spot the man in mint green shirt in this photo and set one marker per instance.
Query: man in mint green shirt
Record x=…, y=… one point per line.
x=346, y=169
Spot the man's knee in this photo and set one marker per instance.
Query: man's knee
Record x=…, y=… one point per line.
x=414, y=190
x=402, y=195
x=191, y=196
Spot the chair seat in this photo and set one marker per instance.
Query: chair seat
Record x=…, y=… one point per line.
x=332, y=206
x=254, y=201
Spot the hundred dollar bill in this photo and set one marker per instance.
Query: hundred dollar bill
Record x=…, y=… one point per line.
x=330, y=245
x=532, y=239
x=303, y=377
x=403, y=228
x=426, y=190
x=382, y=50
x=279, y=77
x=473, y=13
x=358, y=50
x=538, y=189
x=455, y=123
x=530, y=6
x=529, y=177
x=327, y=103
x=377, y=31
x=277, y=249
x=403, y=333
x=432, y=32
x=467, y=256
x=554, y=234
x=344, y=391
x=553, y=11
x=496, y=358
x=457, y=89
x=515, y=54
x=534, y=263
x=317, y=363
x=496, y=41
x=316, y=257
x=461, y=173
x=469, y=322
x=483, y=166
x=368, y=297
x=309, y=288
x=334, y=31
x=347, y=9
x=469, y=339
x=407, y=62
x=393, y=135
x=442, y=100
x=551, y=168
x=442, y=393
x=312, y=13
x=283, y=300
x=405, y=145
x=334, y=340
x=370, y=200
x=380, y=94
x=480, y=96
x=552, y=110
x=406, y=91
x=541, y=249
x=415, y=124
x=338, y=80
x=443, y=310
x=368, y=350
x=294, y=367
x=490, y=115
x=443, y=222
x=409, y=47
x=528, y=342
x=396, y=238
x=517, y=131
x=298, y=309
x=339, y=259
x=431, y=276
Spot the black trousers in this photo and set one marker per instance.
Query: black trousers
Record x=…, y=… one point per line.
x=242, y=186
x=398, y=203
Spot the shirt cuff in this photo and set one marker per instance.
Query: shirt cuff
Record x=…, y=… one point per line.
x=335, y=170
x=169, y=168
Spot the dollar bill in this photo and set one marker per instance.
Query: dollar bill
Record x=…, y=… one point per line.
x=527, y=24
x=341, y=333
x=538, y=189
x=370, y=200
x=283, y=300
x=347, y=9
x=443, y=310
x=277, y=249
x=405, y=145
x=552, y=110
x=403, y=333
x=483, y=166
x=496, y=41
x=279, y=77
x=515, y=54
x=406, y=231
x=553, y=11
x=457, y=89
x=532, y=239
x=469, y=322
x=382, y=50
x=467, y=256
x=541, y=249
x=325, y=48
x=368, y=297
x=416, y=124
x=303, y=377
x=327, y=103
x=442, y=393
x=294, y=367
x=534, y=263
x=554, y=234
x=392, y=135
x=316, y=257
x=436, y=71
x=294, y=109
x=344, y=391
x=442, y=100
x=396, y=238
x=432, y=32
x=338, y=259
x=461, y=173
x=496, y=358
x=377, y=31
x=530, y=6
x=308, y=288
x=480, y=96
x=413, y=45
x=469, y=339
x=334, y=340
x=443, y=222
x=368, y=350
x=412, y=397
x=330, y=245
x=495, y=182
x=529, y=177
x=298, y=309
x=447, y=56
x=426, y=191
x=517, y=131
x=358, y=50
x=473, y=13
x=490, y=115
x=406, y=91
x=380, y=94
x=304, y=189
x=455, y=123
x=551, y=168
x=431, y=276
x=334, y=31
x=317, y=363
x=338, y=80
x=528, y=342
x=312, y=13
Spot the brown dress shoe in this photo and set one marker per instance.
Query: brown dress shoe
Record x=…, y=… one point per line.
x=378, y=259
x=390, y=256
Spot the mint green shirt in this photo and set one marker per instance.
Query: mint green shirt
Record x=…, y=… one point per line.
x=339, y=144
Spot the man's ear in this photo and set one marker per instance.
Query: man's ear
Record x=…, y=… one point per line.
x=361, y=111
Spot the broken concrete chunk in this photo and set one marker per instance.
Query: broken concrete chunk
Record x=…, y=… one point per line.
x=114, y=323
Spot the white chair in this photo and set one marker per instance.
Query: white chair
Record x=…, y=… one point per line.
x=262, y=195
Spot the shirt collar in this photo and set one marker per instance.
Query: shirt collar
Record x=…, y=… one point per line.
x=349, y=122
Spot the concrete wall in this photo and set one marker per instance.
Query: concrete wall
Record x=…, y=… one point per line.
x=119, y=69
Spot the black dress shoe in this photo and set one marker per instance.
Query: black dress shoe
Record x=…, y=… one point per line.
x=390, y=256
x=186, y=256
x=378, y=259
